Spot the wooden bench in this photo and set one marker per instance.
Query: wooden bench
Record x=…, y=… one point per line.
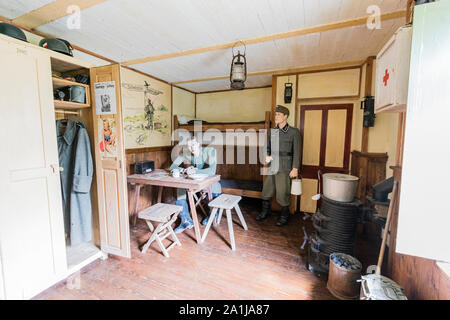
x=165, y=215
x=225, y=202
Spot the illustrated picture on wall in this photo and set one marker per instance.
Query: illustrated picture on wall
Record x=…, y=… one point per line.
x=107, y=137
x=147, y=116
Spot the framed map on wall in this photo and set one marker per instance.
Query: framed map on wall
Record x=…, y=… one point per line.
x=147, y=111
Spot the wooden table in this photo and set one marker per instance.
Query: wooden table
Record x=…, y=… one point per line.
x=191, y=186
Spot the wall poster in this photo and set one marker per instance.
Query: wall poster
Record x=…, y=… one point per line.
x=105, y=97
x=107, y=136
x=147, y=111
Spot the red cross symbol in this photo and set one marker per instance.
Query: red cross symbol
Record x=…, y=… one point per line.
x=386, y=77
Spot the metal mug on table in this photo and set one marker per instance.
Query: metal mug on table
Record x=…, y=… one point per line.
x=175, y=173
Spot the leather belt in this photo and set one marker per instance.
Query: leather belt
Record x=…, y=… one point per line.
x=285, y=154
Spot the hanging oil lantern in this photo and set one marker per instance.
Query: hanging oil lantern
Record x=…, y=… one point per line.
x=238, y=72
x=288, y=92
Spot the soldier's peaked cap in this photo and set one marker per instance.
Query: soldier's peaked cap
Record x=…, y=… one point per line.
x=282, y=110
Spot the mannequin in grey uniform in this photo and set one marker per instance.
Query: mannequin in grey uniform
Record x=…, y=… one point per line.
x=288, y=156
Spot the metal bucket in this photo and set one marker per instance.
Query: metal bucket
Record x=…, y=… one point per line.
x=343, y=276
x=77, y=94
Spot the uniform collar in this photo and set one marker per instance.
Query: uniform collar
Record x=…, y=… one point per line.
x=285, y=128
x=69, y=133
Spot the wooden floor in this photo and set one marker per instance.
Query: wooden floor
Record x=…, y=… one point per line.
x=268, y=264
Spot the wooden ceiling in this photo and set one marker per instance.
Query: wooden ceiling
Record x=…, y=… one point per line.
x=127, y=30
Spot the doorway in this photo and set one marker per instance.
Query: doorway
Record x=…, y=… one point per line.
x=326, y=132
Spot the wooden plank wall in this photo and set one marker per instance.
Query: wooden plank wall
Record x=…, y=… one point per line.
x=161, y=156
x=421, y=278
x=370, y=168
x=233, y=170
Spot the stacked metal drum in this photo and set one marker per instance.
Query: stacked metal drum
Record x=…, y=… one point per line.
x=335, y=222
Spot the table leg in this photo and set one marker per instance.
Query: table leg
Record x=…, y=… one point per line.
x=137, y=191
x=209, y=193
x=160, y=190
x=194, y=216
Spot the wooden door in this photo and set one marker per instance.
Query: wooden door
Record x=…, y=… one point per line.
x=32, y=245
x=110, y=169
x=326, y=132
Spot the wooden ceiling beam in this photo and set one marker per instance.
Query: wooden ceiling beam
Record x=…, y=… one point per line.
x=292, y=70
x=272, y=37
x=51, y=12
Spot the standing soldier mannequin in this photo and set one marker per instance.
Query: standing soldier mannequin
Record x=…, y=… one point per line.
x=149, y=112
x=289, y=162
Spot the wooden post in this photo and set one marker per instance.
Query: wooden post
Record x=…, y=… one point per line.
x=386, y=227
x=368, y=92
x=410, y=11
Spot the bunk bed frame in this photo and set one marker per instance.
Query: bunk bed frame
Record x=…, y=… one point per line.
x=237, y=179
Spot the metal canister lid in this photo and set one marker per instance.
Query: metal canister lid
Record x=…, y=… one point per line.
x=340, y=177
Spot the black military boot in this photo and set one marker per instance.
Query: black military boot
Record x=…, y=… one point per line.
x=284, y=216
x=265, y=211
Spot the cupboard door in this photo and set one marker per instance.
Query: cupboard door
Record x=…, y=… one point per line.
x=2, y=287
x=31, y=219
x=423, y=218
x=110, y=163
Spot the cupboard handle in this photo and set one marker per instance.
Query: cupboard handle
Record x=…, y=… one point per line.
x=56, y=168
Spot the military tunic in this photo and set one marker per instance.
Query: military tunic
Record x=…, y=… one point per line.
x=286, y=156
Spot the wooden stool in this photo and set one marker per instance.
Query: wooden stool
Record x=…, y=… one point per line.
x=165, y=214
x=227, y=202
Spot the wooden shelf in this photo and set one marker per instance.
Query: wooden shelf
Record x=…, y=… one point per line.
x=60, y=83
x=68, y=105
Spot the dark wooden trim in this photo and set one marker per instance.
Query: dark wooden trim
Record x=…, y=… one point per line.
x=380, y=155
x=323, y=137
x=329, y=98
x=369, y=74
x=296, y=101
x=227, y=90
x=308, y=169
x=331, y=69
x=310, y=172
x=320, y=70
x=150, y=149
x=274, y=97
x=367, y=92
x=327, y=106
x=242, y=192
x=348, y=137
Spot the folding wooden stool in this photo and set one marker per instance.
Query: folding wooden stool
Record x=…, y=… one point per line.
x=225, y=202
x=165, y=215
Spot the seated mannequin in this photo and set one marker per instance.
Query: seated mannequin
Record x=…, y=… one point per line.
x=197, y=160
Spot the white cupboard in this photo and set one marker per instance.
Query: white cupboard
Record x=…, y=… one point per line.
x=392, y=72
x=424, y=215
x=33, y=250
